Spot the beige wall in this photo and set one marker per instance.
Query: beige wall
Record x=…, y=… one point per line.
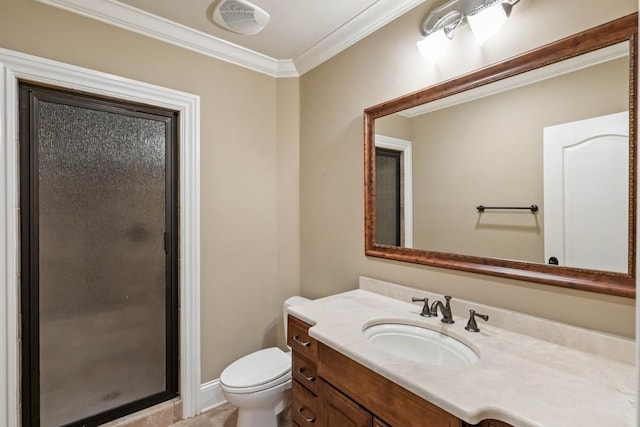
x=245, y=188
x=288, y=125
x=386, y=65
x=394, y=126
x=489, y=151
x=253, y=252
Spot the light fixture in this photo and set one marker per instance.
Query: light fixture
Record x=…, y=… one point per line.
x=438, y=37
x=434, y=45
x=488, y=21
x=485, y=18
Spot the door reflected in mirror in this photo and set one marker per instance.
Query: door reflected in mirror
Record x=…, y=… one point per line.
x=489, y=149
x=553, y=128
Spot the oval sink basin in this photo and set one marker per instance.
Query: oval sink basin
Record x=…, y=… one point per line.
x=420, y=344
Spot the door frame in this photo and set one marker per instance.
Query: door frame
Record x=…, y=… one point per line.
x=405, y=147
x=15, y=66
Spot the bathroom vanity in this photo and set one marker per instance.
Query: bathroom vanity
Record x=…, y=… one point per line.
x=342, y=379
x=330, y=389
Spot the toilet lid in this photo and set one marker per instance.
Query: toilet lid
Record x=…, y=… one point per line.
x=255, y=369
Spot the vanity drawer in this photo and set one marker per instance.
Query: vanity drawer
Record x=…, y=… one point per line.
x=305, y=372
x=305, y=406
x=300, y=341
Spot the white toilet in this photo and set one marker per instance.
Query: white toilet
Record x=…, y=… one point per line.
x=259, y=383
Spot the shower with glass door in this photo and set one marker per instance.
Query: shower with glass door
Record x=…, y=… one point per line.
x=99, y=257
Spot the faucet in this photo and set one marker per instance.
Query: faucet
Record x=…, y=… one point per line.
x=445, y=309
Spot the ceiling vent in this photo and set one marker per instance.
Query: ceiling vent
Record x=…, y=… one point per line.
x=240, y=16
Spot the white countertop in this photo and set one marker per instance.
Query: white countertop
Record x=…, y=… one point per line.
x=519, y=379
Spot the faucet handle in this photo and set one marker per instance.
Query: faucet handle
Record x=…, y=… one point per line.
x=472, y=326
x=425, y=308
x=447, y=299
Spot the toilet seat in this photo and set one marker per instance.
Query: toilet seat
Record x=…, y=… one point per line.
x=257, y=371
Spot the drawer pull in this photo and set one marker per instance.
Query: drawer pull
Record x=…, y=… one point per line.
x=301, y=372
x=304, y=343
x=309, y=420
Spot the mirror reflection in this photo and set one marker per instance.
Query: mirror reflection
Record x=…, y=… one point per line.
x=556, y=137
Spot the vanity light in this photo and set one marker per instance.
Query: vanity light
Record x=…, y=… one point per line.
x=438, y=37
x=488, y=21
x=434, y=45
x=485, y=18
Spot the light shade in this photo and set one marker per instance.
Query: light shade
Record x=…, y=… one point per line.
x=487, y=22
x=434, y=45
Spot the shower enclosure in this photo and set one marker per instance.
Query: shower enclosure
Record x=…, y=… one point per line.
x=99, y=294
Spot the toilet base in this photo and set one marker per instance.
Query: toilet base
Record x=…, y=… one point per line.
x=250, y=417
x=262, y=409
x=256, y=417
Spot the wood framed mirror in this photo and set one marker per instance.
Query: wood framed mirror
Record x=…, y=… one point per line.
x=493, y=173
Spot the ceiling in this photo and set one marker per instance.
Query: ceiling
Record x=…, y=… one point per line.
x=301, y=34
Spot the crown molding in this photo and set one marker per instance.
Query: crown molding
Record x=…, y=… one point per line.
x=130, y=18
x=373, y=18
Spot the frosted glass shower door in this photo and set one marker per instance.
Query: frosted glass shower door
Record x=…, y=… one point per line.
x=388, y=197
x=99, y=258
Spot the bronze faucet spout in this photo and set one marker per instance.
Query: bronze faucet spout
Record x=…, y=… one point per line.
x=445, y=309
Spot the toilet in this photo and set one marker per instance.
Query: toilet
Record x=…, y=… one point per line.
x=259, y=383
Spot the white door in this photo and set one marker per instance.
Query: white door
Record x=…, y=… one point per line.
x=586, y=193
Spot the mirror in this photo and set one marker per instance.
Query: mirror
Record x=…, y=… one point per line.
x=524, y=169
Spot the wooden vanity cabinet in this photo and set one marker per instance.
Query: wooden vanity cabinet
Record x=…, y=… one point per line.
x=331, y=390
x=391, y=403
x=315, y=401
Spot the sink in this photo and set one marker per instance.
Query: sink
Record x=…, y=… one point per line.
x=420, y=344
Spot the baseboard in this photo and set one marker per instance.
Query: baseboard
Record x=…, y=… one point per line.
x=210, y=396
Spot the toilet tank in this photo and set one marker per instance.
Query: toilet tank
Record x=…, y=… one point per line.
x=295, y=300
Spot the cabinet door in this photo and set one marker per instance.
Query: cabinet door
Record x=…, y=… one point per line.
x=339, y=411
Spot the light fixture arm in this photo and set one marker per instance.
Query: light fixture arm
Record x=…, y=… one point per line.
x=448, y=23
x=454, y=13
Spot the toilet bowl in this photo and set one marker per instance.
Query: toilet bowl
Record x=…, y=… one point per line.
x=259, y=383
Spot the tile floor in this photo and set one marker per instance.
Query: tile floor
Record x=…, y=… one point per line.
x=222, y=416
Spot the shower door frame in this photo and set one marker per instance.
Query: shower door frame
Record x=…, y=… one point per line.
x=15, y=66
x=30, y=244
